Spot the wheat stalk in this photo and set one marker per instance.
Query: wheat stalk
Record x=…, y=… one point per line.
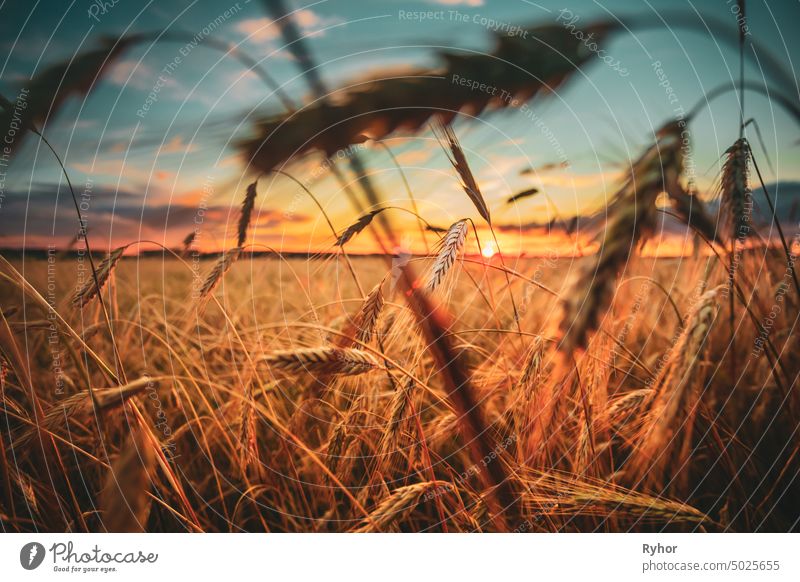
x=565, y=494
x=451, y=245
x=324, y=360
x=52, y=86
x=691, y=210
x=79, y=406
x=534, y=363
x=124, y=500
x=391, y=102
x=612, y=503
x=633, y=216
x=344, y=437
x=89, y=290
x=674, y=390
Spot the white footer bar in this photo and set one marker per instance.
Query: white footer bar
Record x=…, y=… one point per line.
x=401, y=557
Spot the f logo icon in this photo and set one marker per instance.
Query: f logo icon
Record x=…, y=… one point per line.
x=31, y=555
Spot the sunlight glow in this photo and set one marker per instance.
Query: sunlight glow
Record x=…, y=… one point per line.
x=488, y=250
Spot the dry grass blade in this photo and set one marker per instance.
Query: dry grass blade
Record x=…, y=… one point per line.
x=124, y=502
x=447, y=137
x=223, y=264
x=89, y=290
x=248, y=204
x=451, y=245
x=325, y=360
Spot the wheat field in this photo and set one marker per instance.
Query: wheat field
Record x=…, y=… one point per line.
x=458, y=388
x=253, y=414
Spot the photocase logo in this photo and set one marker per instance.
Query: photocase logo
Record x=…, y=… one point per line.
x=31, y=555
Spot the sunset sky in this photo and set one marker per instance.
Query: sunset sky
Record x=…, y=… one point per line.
x=151, y=166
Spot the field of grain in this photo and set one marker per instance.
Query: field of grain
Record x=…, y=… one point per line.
x=224, y=385
x=281, y=406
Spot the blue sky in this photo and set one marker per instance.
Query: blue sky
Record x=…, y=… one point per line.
x=148, y=173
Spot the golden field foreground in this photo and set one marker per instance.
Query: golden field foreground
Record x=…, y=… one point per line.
x=290, y=400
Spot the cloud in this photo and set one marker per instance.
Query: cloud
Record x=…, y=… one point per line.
x=176, y=146
x=132, y=74
x=571, y=180
x=259, y=29
x=264, y=30
x=120, y=169
x=415, y=157
x=46, y=215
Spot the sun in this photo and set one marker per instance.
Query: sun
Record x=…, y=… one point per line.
x=488, y=250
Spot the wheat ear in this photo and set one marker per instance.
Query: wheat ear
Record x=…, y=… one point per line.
x=79, y=406
x=674, y=391
x=248, y=450
x=398, y=505
x=89, y=290
x=367, y=317
x=452, y=244
x=248, y=204
x=223, y=264
x=734, y=191
x=447, y=137
x=324, y=360
x=360, y=224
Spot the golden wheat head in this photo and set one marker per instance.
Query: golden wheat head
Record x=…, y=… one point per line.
x=324, y=360
x=89, y=290
x=452, y=244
